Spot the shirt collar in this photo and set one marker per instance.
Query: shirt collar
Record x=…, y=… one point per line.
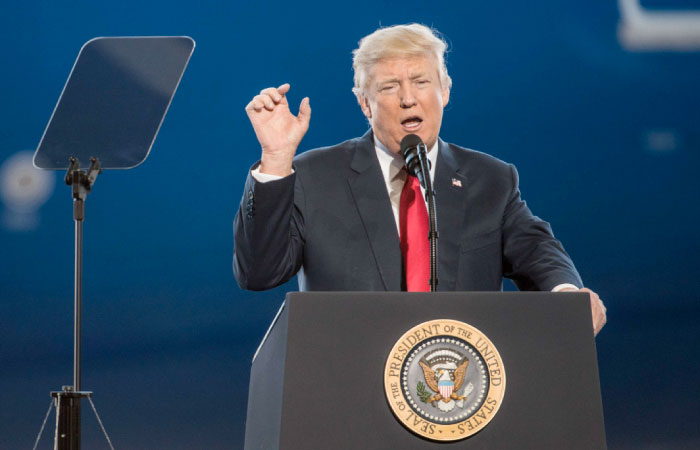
x=391, y=163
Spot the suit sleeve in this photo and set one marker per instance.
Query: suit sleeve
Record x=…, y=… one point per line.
x=268, y=233
x=533, y=258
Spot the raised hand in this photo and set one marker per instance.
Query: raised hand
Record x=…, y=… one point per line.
x=277, y=129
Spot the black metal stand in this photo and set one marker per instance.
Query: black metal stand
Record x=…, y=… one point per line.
x=433, y=237
x=432, y=219
x=67, y=404
x=79, y=128
x=67, y=401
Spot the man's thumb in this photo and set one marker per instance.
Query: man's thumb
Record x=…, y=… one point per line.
x=305, y=111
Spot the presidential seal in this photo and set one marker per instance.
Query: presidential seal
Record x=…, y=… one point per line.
x=444, y=380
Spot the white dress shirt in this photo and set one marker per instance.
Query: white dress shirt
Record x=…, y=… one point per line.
x=392, y=165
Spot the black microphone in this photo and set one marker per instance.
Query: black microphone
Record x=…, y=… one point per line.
x=415, y=155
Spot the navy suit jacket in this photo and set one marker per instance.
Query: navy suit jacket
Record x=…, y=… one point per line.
x=332, y=222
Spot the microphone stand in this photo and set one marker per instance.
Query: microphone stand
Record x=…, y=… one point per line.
x=432, y=218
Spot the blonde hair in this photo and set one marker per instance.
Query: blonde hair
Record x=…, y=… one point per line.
x=398, y=41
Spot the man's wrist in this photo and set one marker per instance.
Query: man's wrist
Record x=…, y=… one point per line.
x=262, y=177
x=276, y=165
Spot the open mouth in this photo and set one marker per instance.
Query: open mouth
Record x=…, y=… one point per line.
x=411, y=123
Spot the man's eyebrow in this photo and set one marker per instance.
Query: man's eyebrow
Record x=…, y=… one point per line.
x=388, y=80
x=397, y=80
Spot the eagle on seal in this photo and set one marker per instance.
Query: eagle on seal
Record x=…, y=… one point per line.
x=440, y=382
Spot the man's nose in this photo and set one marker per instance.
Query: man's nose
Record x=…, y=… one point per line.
x=408, y=100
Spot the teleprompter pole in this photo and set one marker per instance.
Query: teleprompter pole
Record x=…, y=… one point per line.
x=68, y=399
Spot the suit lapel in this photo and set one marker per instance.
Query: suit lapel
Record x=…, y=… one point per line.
x=450, y=204
x=372, y=200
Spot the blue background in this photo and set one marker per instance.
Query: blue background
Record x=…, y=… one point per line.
x=606, y=141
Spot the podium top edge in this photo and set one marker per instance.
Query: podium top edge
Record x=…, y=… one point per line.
x=446, y=294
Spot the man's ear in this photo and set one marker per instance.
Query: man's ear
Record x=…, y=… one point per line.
x=445, y=97
x=364, y=104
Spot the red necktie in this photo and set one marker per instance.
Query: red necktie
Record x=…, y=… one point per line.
x=415, y=247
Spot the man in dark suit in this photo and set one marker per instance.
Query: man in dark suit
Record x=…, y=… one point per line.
x=333, y=214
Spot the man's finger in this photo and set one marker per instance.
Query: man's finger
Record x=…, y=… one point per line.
x=599, y=312
x=304, y=111
x=273, y=94
x=254, y=105
x=265, y=101
x=283, y=89
x=260, y=102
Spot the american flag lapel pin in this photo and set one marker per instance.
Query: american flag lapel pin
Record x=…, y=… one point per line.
x=456, y=183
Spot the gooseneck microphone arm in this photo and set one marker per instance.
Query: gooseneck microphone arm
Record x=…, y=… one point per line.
x=416, y=156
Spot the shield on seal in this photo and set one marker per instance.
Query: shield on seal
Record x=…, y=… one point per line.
x=446, y=388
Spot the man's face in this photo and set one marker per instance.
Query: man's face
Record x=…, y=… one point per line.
x=404, y=96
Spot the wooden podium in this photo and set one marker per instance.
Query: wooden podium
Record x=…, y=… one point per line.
x=317, y=380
